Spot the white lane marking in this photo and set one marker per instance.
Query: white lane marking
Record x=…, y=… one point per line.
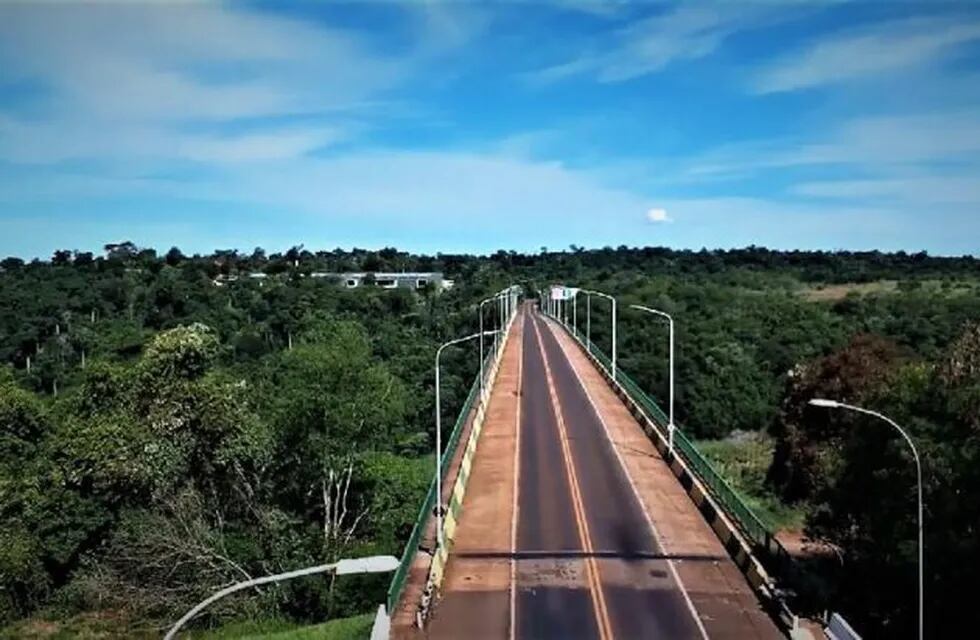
x=636, y=492
x=517, y=487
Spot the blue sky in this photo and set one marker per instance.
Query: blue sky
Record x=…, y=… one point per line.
x=474, y=127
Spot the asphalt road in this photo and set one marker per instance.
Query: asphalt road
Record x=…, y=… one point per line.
x=588, y=564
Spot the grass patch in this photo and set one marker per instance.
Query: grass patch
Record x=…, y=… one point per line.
x=835, y=292
x=86, y=626
x=947, y=287
x=354, y=628
x=743, y=461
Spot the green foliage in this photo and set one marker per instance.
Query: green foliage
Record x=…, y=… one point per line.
x=353, y=628
x=164, y=433
x=859, y=477
x=743, y=459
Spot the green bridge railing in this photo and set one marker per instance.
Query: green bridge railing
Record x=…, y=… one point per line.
x=428, y=505
x=768, y=549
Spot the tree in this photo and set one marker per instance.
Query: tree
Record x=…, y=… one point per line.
x=174, y=257
x=83, y=258
x=807, y=438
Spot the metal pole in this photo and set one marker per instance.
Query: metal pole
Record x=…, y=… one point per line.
x=438, y=475
x=670, y=322
x=575, y=314
x=373, y=564
x=481, y=350
x=614, y=338
x=670, y=427
x=833, y=404
x=482, y=357
x=500, y=313
x=588, y=322
x=591, y=292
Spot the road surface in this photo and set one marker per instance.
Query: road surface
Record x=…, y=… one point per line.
x=557, y=540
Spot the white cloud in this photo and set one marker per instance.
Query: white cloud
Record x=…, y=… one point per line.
x=912, y=191
x=71, y=139
x=208, y=84
x=657, y=215
x=871, y=143
x=688, y=32
x=263, y=147
x=462, y=195
x=237, y=103
x=892, y=47
x=173, y=62
x=408, y=186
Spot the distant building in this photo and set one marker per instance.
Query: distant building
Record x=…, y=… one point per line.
x=407, y=280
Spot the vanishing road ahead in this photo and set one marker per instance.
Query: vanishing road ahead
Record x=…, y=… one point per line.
x=573, y=526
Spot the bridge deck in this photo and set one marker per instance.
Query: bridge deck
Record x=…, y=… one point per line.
x=573, y=527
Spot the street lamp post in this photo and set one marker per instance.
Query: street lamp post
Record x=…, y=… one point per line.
x=575, y=314
x=613, y=300
x=438, y=473
x=833, y=404
x=588, y=322
x=490, y=299
x=371, y=564
x=670, y=321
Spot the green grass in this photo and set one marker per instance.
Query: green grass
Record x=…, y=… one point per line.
x=743, y=463
x=355, y=628
x=835, y=292
x=87, y=626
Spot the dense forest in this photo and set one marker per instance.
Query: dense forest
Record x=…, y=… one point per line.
x=167, y=428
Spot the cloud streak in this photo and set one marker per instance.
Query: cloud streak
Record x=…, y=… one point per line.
x=688, y=32
x=188, y=83
x=872, y=52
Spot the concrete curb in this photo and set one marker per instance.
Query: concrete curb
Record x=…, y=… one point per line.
x=441, y=558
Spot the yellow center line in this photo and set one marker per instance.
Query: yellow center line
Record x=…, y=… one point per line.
x=592, y=568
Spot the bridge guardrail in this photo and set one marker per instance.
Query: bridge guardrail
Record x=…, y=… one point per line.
x=769, y=550
x=411, y=546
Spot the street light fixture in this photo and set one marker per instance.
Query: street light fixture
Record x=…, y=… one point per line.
x=833, y=404
x=370, y=564
x=589, y=322
x=670, y=321
x=438, y=473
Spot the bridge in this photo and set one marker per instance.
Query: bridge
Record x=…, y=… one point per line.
x=569, y=515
